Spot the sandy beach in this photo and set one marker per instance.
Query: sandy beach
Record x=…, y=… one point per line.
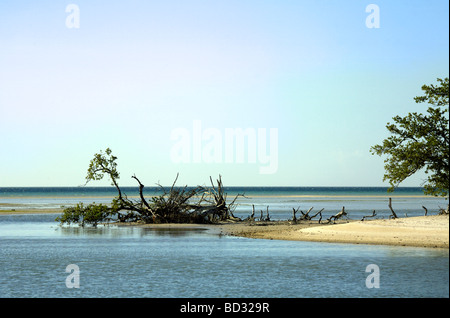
x=423, y=231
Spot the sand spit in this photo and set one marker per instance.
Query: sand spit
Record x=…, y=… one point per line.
x=423, y=231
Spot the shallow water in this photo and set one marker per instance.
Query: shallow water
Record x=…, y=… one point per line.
x=142, y=262
x=358, y=201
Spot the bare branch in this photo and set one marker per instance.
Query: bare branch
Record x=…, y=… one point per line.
x=392, y=211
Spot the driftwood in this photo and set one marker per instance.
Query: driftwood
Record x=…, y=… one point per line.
x=338, y=215
x=217, y=208
x=443, y=212
x=305, y=216
x=426, y=210
x=394, y=216
x=294, y=217
x=261, y=217
x=252, y=216
x=267, y=218
x=320, y=212
x=320, y=219
x=369, y=216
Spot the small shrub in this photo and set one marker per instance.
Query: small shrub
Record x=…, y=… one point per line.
x=90, y=214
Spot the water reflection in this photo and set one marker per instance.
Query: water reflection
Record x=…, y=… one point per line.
x=175, y=232
x=114, y=231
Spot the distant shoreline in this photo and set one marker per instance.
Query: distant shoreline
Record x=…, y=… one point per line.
x=30, y=211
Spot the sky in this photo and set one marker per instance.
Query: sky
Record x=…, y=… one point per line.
x=166, y=85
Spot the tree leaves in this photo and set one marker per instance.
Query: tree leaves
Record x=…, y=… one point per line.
x=90, y=214
x=420, y=141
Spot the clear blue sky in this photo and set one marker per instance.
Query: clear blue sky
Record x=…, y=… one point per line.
x=135, y=71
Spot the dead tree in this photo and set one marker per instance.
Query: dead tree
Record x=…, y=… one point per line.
x=443, y=212
x=267, y=214
x=320, y=212
x=262, y=218
x=305, y=216
x=217, y=208
x=337, y=216
x=394, y=216
x=426, y=210
x=175, y=205
x=252, y=216
x=294, y=218
x=196, y=205
x=369, y=216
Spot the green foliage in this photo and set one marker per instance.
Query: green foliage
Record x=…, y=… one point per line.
x=71, y=215
x=420, y=141
x=101, y=164
x=90, y=214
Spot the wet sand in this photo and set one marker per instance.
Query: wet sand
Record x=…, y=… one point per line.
x=29, y=211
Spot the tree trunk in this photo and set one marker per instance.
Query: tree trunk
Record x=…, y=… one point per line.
x=267, y=214
x=426, y=211
x=338, y=215
x=392, y=211
x=252, y=216
x=369, y=216
x=294, y=218
x=442, y=211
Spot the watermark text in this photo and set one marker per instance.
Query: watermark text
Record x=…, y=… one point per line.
x=373, y=279
x=73, y=279
x=373, y=19
x=233, y=145
x=73, y=19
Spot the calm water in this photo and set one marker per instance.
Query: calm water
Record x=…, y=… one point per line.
x=137, y=262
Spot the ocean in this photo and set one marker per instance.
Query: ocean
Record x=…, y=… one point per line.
x=38, y=257
x=358, y=201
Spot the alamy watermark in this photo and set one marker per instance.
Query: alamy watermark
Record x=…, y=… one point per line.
x=373, y=19
x=373, y=279
x=73, y=19
x=232, y=145
x=73, y=279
